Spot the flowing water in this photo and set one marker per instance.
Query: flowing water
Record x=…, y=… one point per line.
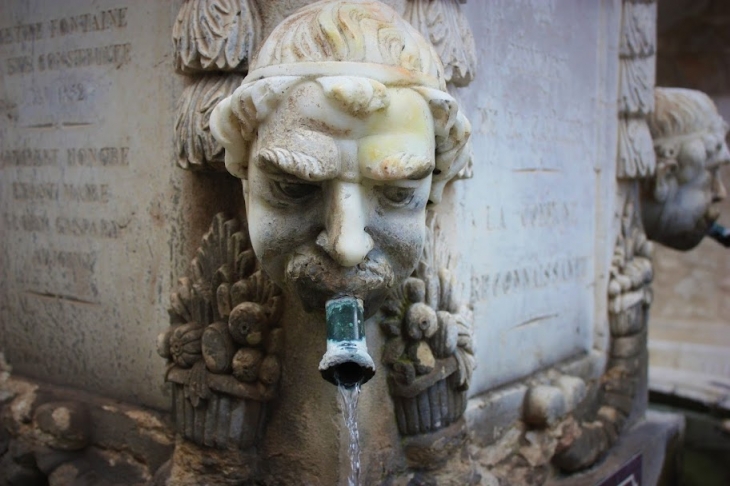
x=348, y=404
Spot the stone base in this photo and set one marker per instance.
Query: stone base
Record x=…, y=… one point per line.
x=658, y=439
x=56, y=436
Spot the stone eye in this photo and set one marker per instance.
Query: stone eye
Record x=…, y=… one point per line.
x=295, y=190
x=398, y=195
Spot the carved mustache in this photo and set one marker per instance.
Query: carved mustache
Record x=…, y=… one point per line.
x=312, y=269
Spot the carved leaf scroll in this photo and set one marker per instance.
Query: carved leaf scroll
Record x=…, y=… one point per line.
x=638, y=30
x=636, y=156
x=636, y=88
x=444, y=24
x=195, y=145
x=215, y=35
x=636, y=95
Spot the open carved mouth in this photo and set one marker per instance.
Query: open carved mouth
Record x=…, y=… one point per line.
x=317, y=278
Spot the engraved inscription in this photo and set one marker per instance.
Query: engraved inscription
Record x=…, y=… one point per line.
x=114, y=54
x=29, y=157
x=97, y=157
x=117, y=54
x=50, y=191
x=541, y=275
x=37, y=192
x=40, y=222
x=75, y=157
x=548, y=214
x=79, y=24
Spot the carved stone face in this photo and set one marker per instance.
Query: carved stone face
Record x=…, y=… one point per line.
x=677, y=208
x=336, y=197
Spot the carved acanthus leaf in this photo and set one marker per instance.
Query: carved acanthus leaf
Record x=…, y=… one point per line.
x=636, y=158
x=444, y=24
x=196, y=147
x=636, y=91
x=215, y=35
x=638, y=29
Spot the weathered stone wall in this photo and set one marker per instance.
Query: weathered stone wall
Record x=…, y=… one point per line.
x=96, y=221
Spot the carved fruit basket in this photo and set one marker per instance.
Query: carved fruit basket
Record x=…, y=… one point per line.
x=224, y=342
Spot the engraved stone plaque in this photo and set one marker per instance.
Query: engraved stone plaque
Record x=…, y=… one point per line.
x=88, y=192
x=531, y=233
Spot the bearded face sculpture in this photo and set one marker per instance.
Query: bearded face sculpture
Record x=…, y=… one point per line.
x=343, y=133
x=689, y=141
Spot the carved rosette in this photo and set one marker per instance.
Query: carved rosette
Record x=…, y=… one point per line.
x=429, y=353
x=214, y=41
x=223, y=343
x=444, y=24
x=637, y=59
x=630, y=295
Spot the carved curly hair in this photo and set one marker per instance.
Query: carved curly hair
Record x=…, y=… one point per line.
x=354, y=50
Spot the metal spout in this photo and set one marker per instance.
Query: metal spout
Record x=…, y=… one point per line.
x=346, y=362
x=720, y=234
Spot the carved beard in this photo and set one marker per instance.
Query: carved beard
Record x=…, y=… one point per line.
x=316, y=278
x=689, y=238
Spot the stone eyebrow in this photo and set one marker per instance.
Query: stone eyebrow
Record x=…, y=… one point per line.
x=399, y=166
x=298, y=164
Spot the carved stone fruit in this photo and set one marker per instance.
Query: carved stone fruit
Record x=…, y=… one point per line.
x=275, y=341
x=247, y=323
x=163, y=343
x=404, y=372
x=246, y=364
x=445, y=341
x=394, y=349
x=415, y=289
x=185, y=344
x=270, y=370
x=421, y=321
x=424, y=361
x=218, y=348
x=63, y=425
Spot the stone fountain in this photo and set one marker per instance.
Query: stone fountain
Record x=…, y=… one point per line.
x=446, y=205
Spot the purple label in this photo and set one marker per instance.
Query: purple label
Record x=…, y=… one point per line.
x=628, y=475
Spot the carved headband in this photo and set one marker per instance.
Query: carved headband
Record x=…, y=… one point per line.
x=388, y=75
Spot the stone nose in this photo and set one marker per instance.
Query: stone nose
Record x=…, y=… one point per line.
x=344, y=237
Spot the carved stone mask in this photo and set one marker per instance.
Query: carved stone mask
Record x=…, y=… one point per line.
x=336, y=203
x=689, y=140
x=341, y=156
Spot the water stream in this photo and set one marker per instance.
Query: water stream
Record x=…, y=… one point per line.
x=348, y=404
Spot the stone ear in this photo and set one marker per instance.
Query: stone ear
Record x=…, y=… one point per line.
x=665, y=172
